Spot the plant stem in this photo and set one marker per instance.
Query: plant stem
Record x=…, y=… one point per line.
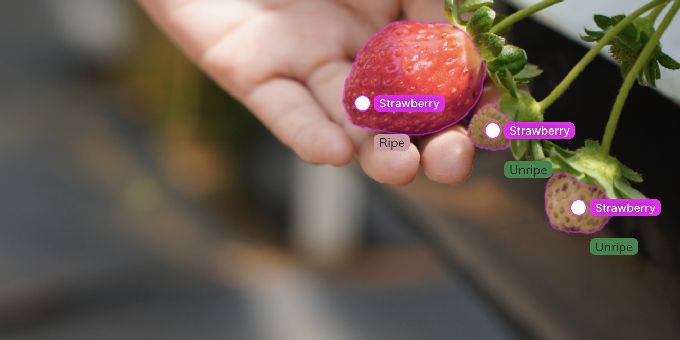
x=521, y=14
x=632, y=76
x=592, y=53
x=655, y=13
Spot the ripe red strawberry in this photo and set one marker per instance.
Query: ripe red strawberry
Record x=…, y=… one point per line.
x=560, y=192
x=412, y=58
x=477, y=129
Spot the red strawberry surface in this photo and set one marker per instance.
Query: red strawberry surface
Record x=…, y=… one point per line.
x=412, y=58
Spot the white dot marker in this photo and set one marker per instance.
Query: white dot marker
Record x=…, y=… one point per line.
x=362, y=103
x=492, y=130
x=578, y=207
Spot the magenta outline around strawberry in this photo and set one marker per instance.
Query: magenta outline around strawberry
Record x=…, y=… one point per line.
x=495, y=104
x=571, y=231
x=472, y=106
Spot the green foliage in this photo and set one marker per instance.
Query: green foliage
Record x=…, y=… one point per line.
x=490, y=45
x=628, y=44
x=521, y=108
x=473, y=5
x=509, y=69
x=590, y=165
x=511, y=58
x=529, y=72
x=507, y=65
x=481, y=20
x=519, y=148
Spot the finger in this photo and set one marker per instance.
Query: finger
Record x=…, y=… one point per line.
x=197, y=25
x=389, y=167
x=447, y=156
x=288, y=109
x=377, y=13
x=424, y=10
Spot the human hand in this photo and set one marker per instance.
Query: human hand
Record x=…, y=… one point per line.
x=287, y=61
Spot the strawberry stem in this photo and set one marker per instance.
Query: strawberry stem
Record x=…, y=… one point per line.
x=521, y=14
x=632, y=75
x=655, y=13
x=592, y=53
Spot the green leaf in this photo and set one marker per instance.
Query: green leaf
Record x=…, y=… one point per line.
x=623, y=189
x=529, y=72
x=629, y=46
x=598, y=168
x=511, y=57
x=589, y=32
x=556, y=149
x=592, y=36
x=481, y=21
x=519, y=148
x=473, y=5
x=630, y=37
x=656, y=71
x=537, y=150
x=666, y=61
x=560, y=164
x=602, y=21
x=522, y=108
x=505, y=78
x=645, y=26
x=630, y=174
x=650, y=73
x=490, y=45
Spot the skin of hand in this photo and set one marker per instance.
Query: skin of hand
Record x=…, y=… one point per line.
x=287, y=61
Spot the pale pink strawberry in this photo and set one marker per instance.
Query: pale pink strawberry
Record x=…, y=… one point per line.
x=484, y=116
x=560, y=192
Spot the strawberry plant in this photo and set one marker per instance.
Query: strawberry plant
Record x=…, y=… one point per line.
x=586, y=173
x=591, y=171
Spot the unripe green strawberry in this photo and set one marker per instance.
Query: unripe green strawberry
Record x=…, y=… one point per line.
x=484, y=116
x=414, y=58
x=560, y=193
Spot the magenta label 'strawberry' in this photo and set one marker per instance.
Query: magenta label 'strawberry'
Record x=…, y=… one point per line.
x=625, y=207
x=539, y=130
x=409, y=103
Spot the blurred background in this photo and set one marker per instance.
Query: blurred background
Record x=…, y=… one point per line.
x=140, y=201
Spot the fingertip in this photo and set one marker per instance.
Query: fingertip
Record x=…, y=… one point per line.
x=389, y=167
x=339, y=150
x=324, y=144
x=447, y=157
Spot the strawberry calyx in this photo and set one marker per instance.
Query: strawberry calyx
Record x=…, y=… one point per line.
x=523, y=108
x=626, y=47
x=507, y=65
x=590, y=165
